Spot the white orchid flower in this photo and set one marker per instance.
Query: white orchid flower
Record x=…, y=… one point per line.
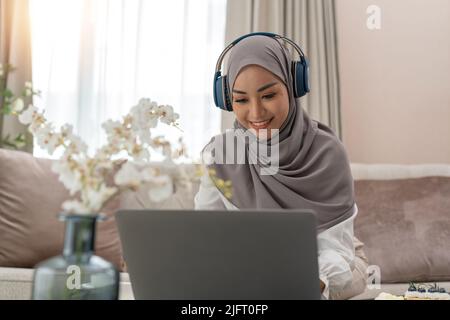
x=144, y=136
x=18, y=105
x=74, y=206
x=75, y=143
x=142, y=156
x=144, y=115
x=36, y=123
x=148, y=104
x=26, y=117
x=130, y=137
x=78, y=144
x=139, y=153
x=47, y=138
x=111, y=126
x=96, y=198
x=168, y=116
x=71, y=179
x=28, y=88
x=113, y=129
x=67, y=130
x=128, y=176
x=117, y=133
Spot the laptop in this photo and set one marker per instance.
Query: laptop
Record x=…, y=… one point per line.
x=220, y=255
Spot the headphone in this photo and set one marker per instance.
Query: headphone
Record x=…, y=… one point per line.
x=299, y=69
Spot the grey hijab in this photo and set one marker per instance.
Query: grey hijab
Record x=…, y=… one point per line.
x=314, y=171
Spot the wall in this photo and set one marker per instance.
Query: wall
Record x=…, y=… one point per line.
x=395, y=82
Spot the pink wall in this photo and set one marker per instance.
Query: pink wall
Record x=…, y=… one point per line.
x=395, y=82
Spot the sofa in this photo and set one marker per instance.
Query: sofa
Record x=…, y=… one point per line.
x=403, y=221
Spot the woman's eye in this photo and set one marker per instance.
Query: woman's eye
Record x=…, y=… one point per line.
x=269, y=96
x=240, y=100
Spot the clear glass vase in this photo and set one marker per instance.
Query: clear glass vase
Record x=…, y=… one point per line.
x=77, y=274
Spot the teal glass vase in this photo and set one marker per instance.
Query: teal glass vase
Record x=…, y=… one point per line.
x=76, y=274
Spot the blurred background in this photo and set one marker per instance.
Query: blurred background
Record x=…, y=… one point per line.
x=380, y=70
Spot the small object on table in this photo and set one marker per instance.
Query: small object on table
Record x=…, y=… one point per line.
x=418, y=292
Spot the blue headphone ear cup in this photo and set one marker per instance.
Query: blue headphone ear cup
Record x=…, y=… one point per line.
x=221, y=92
x=217, y=91
x=226, y=94
x=305, y=63
x=300, y=70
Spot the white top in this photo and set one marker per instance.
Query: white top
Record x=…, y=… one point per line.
x=335, y=245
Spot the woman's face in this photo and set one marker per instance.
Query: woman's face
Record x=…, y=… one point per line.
x=260, y=100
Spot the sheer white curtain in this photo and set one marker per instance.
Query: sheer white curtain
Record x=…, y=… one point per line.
x=93, y=60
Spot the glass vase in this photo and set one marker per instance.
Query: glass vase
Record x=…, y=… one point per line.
x=76, y=274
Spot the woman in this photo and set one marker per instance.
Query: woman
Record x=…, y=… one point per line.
x=313, y=169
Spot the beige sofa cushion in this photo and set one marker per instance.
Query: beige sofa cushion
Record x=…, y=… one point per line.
x=30, y=200
x=405, y=226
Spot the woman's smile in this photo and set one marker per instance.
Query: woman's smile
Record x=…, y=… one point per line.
x=260, y=124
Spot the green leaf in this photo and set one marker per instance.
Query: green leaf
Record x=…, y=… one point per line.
x=18, y=142
x=9, y=93
x=7, y=109
x=20, y=138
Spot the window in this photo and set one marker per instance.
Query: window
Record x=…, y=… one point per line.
x=94, y=59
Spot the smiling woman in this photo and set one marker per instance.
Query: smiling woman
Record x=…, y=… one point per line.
x=313, y=169
x=93, y=59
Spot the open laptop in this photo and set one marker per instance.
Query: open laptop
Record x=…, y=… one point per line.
x=220, y=255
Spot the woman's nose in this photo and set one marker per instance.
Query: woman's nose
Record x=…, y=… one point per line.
x=256, y=110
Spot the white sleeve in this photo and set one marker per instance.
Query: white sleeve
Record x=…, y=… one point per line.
x=337, y=255
x=208, y=196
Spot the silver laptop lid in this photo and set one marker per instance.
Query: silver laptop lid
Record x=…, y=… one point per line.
x=215, y=255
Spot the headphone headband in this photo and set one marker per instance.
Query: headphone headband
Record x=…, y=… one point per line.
x=268, y=34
